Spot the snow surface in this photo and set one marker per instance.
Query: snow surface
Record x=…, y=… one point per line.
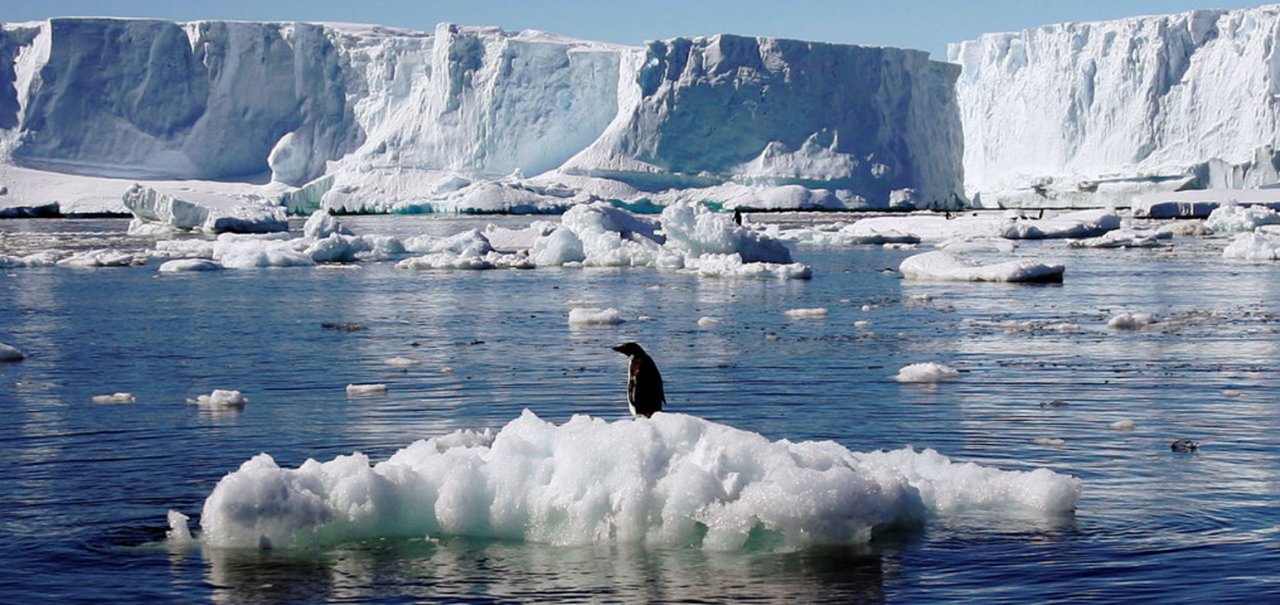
x=672, y=480
x=469, y=118
x=1062, y=115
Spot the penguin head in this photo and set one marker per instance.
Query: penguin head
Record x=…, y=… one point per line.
x=630, y=349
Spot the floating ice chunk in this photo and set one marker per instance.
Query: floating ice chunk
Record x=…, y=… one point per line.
x=1049, y=441
x=221, y=399
x=189, y=264
x=321, y=225
x=115, y=398
x=582, y=316
x=926, y=372
x=209, y=211
x=234, y=251
x=706, y=323
x=9, y=353
x=1256, y=246
x=557, y=248
x=1130, y=321
x=471, y=242
x=1123, y=425
x=1234, y=217
x=672, y=480
x=44, y=258
x=861, y=323
x=1120, y=238
x=731, y=265
x=1082, y=224
x=101, y=258
x=359, y=390
x=179, y=531
x=807, y=313
x=185, y=248
x=695, y=231
x=1185, y=228
x=944, y=266
x=141, y=228
x=401, y=362
x=468, y=260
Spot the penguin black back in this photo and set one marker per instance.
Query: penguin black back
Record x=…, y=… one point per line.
x=644, y=383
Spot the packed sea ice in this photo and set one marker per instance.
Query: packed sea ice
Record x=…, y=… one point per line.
x=671, y=480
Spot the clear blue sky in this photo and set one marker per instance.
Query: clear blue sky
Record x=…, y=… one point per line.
x=923, y=24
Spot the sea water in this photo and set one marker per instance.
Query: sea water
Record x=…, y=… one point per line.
x=1040, y=381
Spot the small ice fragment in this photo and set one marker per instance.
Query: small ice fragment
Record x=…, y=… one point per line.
x=401, y=362
x=1232, y=393
x=1130, y=321
x=707, y=323
x=594, y=317
x=867, y=307
x=644, y=318
x=116, y=398
x=366, y=389
x=1123, y=425
x=926, y=372
x=861, y=323
x=1051, y=441
x=221, y=399
x=185, y=265
x=9, y=353
x=446, y=370
x=771, y=336
x=807, y=313
x=179, y=531
x=921, y=298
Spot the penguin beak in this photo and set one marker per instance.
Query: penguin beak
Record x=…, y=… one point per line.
x=619, y=349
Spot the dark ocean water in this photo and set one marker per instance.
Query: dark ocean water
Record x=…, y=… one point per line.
x=86, y=486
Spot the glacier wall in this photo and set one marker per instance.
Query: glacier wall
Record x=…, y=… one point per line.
x=389, y=117
x=733, y=108
x=1057, y=114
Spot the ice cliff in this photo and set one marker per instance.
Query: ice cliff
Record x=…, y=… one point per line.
x=1056, y=114
x=372, y=118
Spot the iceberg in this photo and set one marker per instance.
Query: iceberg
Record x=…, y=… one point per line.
x=466, y=119
x=191, y=210
x=1080, y=114
x=671, y=480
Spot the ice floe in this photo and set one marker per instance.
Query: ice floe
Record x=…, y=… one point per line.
x=365, y=390
x=808, y=313
x=1255, y=245
x=221, y=399
x=940, y=265
x=672, y=480
x=926, y=372
x=588, y=316
x=1130, y=321
x=1233, y=217
x=115, y=398
x=9, y=353
x=184, y=265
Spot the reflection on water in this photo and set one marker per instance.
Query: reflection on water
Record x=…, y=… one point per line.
x=85, y=483
x=460, y=569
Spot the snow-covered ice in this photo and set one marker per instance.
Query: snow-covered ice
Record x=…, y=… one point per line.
x=1254, y=246
x=364, y=390
x=221, y=399
x=944, y=266
x=807, y=313
x=1130, y=321
x=672, y=480
x=115, y=398
x=1234, y=217
x=926, y=372
x=184, y=265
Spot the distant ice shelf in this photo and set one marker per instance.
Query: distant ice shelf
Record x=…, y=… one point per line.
x=466, y=119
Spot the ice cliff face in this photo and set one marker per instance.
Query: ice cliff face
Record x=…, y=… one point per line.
x=731, y=108
x=1059, y=112
x=376, y=118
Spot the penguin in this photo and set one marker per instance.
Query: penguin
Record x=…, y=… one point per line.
x=644, y=382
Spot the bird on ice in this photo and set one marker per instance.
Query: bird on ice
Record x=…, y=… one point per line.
x=644, y=382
